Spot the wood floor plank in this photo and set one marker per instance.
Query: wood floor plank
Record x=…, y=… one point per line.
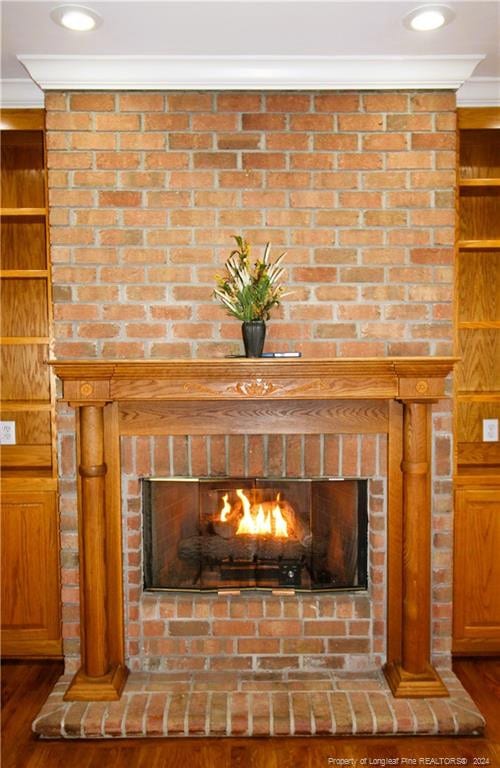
x=25, y=685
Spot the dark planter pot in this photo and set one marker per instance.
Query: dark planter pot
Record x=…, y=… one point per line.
x=254, y=333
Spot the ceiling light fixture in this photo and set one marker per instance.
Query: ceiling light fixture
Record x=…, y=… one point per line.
x=428, y=17
x=76, y=17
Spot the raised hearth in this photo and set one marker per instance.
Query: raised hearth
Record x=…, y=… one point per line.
x=272, y=704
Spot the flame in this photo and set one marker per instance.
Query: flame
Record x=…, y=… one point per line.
x=255, y=520
x=226, y=509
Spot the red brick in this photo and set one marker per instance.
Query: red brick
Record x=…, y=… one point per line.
x=165, y=122
x=67, y=121
x=344, y=102
x=263, y=122
x=120, y=199
x=361, y=160
x=434, y=102
x=307, y=199
x=95, y=178
x=287, y=141
x=167, y=160
x=241, y=179
x=433, y=179
x=279, y=628
x=360, y=122
x=92, y=140
x=284, y=102
x=114, y=122
x=92, y=102
x=312, y=161
x=233, y=628
x=239, y=102
x=312, y=122
x=71, y=160
x=212, y=122
x=336, y=142
x=263, y=160
x=191, y=179
x=141, y=102
x=189, y=102
x=98, y=330
x=409, y=160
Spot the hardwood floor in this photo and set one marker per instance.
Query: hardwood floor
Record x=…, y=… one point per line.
x=25, y=685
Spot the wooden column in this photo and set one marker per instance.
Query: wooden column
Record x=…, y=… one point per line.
x=413, y=674
x=99, y=678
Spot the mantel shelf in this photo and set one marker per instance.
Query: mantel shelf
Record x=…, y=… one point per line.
x=419, y=378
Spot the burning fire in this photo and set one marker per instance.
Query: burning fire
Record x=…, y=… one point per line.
x=260, y=519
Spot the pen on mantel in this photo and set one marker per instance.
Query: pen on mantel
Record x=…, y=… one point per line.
x=281, y=354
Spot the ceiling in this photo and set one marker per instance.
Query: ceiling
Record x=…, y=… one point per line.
x=143, y=33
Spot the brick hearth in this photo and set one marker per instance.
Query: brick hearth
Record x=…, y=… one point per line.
x=266, y=704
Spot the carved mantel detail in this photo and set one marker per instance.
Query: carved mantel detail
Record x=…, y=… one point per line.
x=105, y=393
x=256, y=388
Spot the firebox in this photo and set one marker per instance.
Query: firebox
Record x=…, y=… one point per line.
x=255, y=533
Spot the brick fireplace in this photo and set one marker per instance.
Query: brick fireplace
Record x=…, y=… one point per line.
x=146, y=190
x=360, y=396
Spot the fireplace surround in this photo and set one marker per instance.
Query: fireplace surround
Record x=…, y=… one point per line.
x=347, y=396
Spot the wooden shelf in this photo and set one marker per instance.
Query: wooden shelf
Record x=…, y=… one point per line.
x=13, y=340
x=479, y=324
x=24, y=273
x=25, y=405
x=478, y=396
x=478, y=118
x=23, y=212
x=484, y=182
x=478, y=245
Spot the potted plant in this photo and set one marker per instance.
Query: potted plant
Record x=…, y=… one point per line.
x=248, y=291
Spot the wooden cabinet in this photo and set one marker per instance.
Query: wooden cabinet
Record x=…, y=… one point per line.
x=477, y=384
x=477, y=568
x=30, y=583
x=30, y=539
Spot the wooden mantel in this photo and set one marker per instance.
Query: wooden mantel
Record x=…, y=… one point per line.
x=245, y=396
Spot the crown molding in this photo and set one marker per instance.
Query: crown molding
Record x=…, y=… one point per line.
x=479, y=92
x=249, y=72
x=20, y=93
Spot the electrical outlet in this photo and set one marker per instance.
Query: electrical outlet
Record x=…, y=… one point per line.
x=7, y=432
x=490, y=430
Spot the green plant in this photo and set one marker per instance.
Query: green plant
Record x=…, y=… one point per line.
x=249, y=291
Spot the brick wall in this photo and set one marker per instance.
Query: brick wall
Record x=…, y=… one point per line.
x=146, y=190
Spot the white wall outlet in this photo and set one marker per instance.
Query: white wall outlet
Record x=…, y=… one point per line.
x=490, y=430
x=7, y=432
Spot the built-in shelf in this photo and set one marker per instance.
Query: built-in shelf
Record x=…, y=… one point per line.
x=22, y=212
x=26, y=405
x=24, y=273
x=484, y=182
x=479, y=324
x=478, y=396
x=13, y=340
x=478, y=245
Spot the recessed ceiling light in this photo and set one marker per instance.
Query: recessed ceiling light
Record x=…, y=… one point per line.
x=428, y=17
x=76, y=17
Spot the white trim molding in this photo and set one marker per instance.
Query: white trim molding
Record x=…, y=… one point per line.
x=20, y=93
x=480, y=92
x=249, y=72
